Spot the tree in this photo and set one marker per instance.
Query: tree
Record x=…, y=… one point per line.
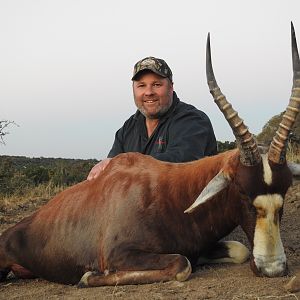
x=4, y=124
x=7, y=170
x=37, y=174
x=224, y=146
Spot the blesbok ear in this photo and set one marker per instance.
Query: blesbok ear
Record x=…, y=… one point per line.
x=294, y=168
x=217, y=184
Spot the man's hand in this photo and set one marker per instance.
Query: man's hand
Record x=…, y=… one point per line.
x=98, y=168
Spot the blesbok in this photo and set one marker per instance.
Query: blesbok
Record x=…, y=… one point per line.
x=145, y=221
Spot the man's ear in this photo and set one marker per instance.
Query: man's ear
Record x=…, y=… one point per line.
x=171, y=85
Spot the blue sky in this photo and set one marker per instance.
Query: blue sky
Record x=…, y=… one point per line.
x=65, y=66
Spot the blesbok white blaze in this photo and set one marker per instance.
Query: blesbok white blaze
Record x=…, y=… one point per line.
x=268, y=252
x=267, y=170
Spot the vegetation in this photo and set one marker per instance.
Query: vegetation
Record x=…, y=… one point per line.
x=19, y=175
x=269, y=129
x=224, y=146
x=293, y=146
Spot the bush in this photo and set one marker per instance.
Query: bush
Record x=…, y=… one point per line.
x=19, y=174
x=222, y=147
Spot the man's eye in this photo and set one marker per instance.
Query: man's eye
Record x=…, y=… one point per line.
x=157, y=84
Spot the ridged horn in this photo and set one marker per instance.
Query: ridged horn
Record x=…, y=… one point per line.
x=249, y=153
x=277, y=148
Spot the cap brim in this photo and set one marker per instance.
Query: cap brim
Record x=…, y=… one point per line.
x=149, y=69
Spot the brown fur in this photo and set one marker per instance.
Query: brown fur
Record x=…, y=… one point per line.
x=135, y=208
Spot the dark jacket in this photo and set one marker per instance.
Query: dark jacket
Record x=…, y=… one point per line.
x=183, y=134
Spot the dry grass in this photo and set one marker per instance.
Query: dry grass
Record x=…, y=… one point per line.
x=269, y=297
x=293, y=152
x=29, y=196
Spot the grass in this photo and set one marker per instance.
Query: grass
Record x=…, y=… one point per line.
x=293, y=152
x=27, y=196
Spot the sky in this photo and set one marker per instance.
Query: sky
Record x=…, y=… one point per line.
x=66, y=65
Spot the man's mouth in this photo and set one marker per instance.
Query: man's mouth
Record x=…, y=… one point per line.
x=150, y=101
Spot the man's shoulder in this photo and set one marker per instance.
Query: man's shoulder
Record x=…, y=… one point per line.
x=132, y=121
x=133, y=118
x=185, y=109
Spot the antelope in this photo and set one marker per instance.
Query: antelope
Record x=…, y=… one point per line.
x=145, y=221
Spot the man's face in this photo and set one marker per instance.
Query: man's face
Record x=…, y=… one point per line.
x=153, y=95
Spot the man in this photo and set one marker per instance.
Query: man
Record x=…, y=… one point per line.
x=163, y=126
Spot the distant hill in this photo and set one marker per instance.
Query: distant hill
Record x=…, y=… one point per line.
x=269, y=129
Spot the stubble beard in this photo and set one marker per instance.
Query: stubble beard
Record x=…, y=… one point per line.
x=161, y=111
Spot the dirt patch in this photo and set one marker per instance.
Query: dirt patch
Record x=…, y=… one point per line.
x=223, y=281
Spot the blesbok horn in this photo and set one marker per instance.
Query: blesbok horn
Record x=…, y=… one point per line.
x=277, y=148
x=249, y=153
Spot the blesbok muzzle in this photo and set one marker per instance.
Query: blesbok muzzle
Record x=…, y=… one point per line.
x=268, y=257
x=269, y=267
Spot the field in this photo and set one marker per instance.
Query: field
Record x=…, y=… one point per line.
x=208, y=282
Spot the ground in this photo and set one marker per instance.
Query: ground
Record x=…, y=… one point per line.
x=224, y=281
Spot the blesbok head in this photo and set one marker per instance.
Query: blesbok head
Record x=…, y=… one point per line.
x=260, y=180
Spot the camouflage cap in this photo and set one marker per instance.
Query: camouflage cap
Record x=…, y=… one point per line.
x=156, y=65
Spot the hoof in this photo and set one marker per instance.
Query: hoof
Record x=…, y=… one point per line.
x=83, y=283
x=185, y=274
x=11, y=276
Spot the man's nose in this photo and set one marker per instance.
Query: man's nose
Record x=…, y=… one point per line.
x=149, y=90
